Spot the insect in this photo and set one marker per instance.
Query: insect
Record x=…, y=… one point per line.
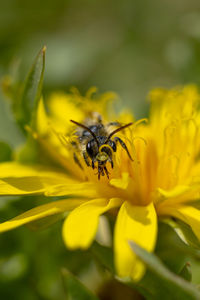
x=97, y=145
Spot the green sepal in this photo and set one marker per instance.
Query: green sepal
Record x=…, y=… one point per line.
x=186, y=272
x=75, y=290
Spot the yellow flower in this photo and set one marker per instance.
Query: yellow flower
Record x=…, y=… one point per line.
x=162, y=180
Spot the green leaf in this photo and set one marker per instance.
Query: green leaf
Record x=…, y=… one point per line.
x=104, y=255
x=5, y=152
x=75, y=289
x=161, y=283
x=186, y=272
x=32, y=91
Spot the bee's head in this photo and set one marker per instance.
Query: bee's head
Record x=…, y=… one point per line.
x=102, y=157
x=104, y=154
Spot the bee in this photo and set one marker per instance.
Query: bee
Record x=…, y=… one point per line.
x=97, y=145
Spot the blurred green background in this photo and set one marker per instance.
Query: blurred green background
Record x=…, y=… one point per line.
x=126, y=46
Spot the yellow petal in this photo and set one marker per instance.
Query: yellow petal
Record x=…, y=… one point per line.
x=80, y=227
x=177, y=191
x=40, y=212
x=121, y=183
x=21, y=186
x=179, y=194
x=63, y=107
x=17, y=179
x=83, y=189
x=14, y=169
x=188, y=214
x=139, y=224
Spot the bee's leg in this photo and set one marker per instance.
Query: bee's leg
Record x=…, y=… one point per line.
x=111, y=163
x=86, y=159
x=99, y=173
x=106, y=171
x=117, y=139
x=93, y=166
x=77, y=161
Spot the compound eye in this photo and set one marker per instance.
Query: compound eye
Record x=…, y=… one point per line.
x=89, y=149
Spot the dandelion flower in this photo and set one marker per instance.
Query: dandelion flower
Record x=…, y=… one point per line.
x=162, y=179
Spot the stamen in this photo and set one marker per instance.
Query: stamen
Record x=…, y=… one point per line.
x=91, y=92
x=135, y=165
x=75, y=92
x=60, y=136
x=168, y=134
x=52, y=152
x=140, y=138
x=192, y=120
x=144, y=120
x=175, y=170
x=31, y=131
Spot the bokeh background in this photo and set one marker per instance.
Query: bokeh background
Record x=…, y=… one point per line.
x=126, y=46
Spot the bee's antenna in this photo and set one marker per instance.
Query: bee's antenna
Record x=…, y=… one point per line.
x=116, y=130
x=86, y=128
